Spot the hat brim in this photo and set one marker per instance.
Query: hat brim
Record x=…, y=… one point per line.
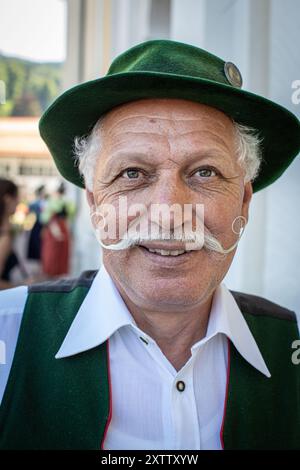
x=75, y=112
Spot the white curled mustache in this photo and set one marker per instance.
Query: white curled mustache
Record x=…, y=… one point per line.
x=191, y=239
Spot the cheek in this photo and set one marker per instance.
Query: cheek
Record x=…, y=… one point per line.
x=219, y=217
x=119, y=266
x=120, y=210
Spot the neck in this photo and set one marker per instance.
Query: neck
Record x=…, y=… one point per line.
x=174, y=332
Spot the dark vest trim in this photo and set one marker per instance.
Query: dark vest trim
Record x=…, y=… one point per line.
x=255, y=305
x=65, y=285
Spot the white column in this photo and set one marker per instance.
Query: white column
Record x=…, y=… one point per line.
x=250, y=45
x=92, y=38
x=160, y=19
x=88, y=39
x=282, y=259
x=188, y=20
x=71, y=74
x=130, y=20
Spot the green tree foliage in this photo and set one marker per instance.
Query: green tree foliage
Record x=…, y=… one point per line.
x=29, y=86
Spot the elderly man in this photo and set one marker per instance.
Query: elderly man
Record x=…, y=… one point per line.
x=153, y=351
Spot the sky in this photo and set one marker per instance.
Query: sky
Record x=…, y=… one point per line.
x=33, y=29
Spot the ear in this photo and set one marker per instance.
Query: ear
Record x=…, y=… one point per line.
x=248, y=191
x=90, y=198
x=91, y=202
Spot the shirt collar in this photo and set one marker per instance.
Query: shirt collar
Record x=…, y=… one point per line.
x=227, y=318
x=103, y=312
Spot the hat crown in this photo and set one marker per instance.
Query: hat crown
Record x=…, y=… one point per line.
x=171, y=57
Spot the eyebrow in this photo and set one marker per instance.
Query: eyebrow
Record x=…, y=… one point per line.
x=122, y=159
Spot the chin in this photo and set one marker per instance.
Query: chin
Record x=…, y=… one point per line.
x=170, y=293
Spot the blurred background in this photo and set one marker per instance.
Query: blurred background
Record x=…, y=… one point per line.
x=47, y=46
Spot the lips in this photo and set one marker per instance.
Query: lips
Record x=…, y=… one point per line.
x=166, y=248
x=166, y=252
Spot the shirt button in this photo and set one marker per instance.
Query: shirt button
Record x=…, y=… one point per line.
x=180, y=386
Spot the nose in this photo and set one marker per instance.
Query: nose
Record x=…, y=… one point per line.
x=168, y=198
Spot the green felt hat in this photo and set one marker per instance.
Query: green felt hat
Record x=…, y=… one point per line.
x=169, y=69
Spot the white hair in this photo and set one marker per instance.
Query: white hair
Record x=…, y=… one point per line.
x=87, y=150
x=248, y=150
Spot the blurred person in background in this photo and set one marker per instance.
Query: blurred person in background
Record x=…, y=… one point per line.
x=56, y=237
x=9, y=260
x=34, y=242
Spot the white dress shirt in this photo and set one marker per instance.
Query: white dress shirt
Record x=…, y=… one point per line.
x=149, y=411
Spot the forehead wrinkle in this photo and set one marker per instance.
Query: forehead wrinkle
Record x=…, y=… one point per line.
x=216, y=138
x=139, y=133
x=134, y=142
x=179, y=133
x=156, y=116
x=173, y=120
x=168, y=146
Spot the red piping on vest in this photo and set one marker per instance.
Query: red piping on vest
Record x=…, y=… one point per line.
x=226, y=395
x=110, y=398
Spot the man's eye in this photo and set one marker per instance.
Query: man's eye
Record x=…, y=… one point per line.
x=206, y=172
x=131, y=173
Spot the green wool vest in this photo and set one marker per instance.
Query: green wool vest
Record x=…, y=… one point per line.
x=66, y=403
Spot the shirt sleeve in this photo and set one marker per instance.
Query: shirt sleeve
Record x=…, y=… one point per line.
x=12, y=303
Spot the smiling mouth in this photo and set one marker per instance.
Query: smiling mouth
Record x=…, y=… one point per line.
x=166, y=252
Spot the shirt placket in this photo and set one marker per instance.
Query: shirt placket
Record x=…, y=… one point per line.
x=181, y=425
x=184, y=409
